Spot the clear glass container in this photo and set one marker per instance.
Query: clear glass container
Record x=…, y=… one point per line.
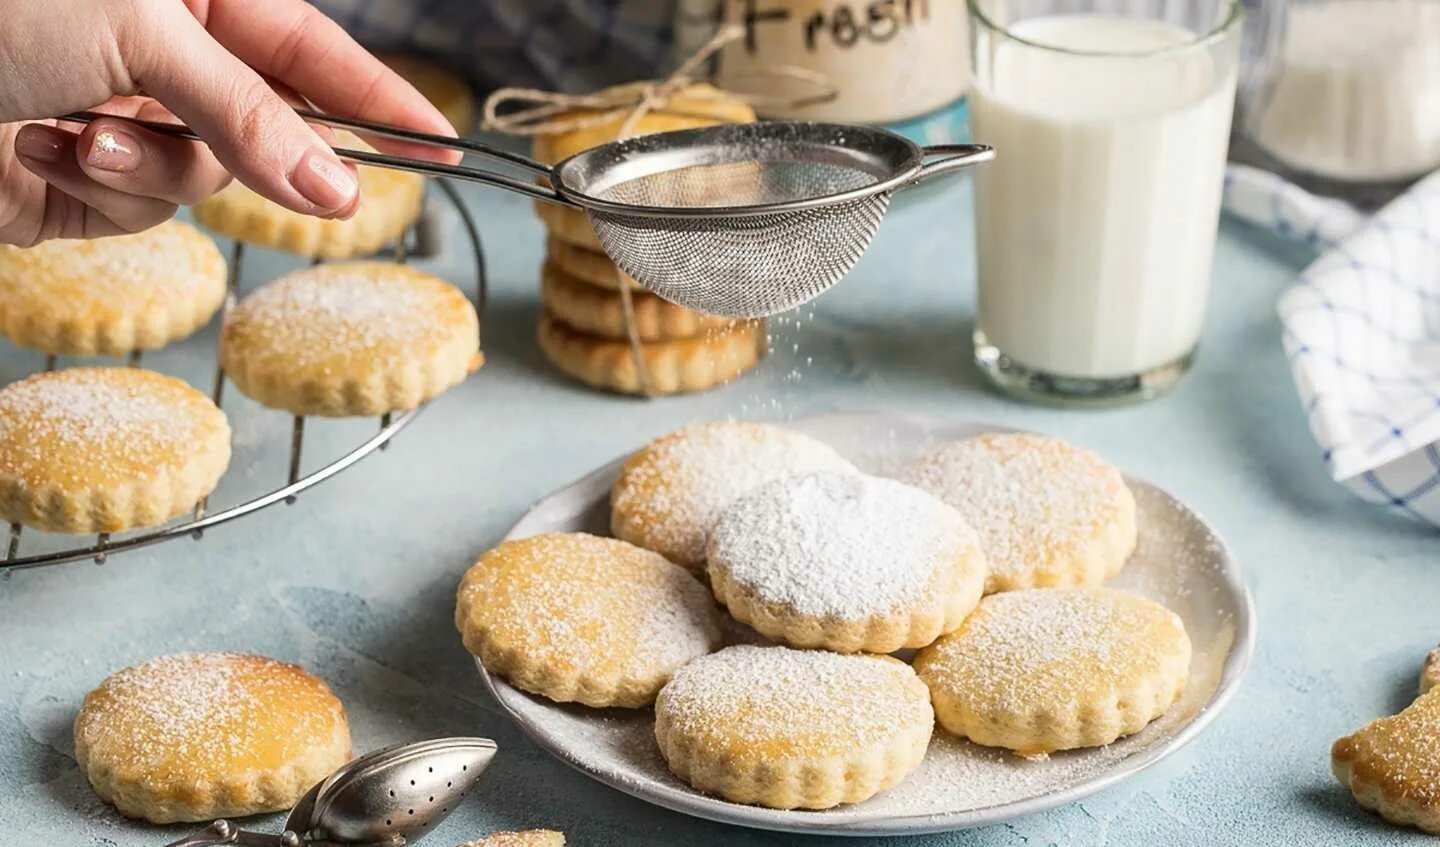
x=1343, y=96
x=1096, y=222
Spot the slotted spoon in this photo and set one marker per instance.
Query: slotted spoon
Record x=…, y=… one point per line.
x=742, y=220
x=387, y=798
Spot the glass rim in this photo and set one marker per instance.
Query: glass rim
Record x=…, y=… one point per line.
x=1233, y=14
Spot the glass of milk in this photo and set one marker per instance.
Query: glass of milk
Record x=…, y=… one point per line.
x=1096, y=223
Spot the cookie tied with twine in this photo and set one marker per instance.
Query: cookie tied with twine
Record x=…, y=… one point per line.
x=563, y=125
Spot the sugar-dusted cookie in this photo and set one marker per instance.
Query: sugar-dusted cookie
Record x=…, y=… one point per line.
x=354, y=338
x=792, y=729
x=845, y=562
x=596, y=311
x=700, y=104
x=526, y=838
x=1038, y=670
x=1392, y=765
x=672, y=491
x=677, y=366
x=571, y=226
x=110, y=296
x=1049, y=514
x=444, y=89
x=389, y=202
x=587, y=265
x=196, y=736
x=579, y=618
x=106, y=449
x=1430, y=671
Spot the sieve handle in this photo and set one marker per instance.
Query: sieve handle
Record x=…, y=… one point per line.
x=953, y=157
x=399, y=163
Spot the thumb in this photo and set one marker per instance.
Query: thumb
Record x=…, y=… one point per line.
x=249, y=127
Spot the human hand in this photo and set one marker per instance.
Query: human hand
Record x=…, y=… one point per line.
x=200, y=61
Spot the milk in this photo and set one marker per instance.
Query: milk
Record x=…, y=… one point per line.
x=1097, y=220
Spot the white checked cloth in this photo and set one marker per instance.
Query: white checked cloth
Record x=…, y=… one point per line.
x=1362, y=332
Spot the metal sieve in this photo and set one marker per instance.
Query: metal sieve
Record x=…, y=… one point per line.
x=742, y=220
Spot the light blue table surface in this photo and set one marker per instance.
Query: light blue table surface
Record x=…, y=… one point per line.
x=356, y=581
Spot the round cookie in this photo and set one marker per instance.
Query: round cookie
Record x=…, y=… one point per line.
x=699, y=104
x=845, y=562
x=197, y=736
x=677, y=366
x=355, y=338
x=1049, y=514
x=1430, y=671
x=590, y=266
x=445, y=90
x=579, y=618
x=792, y=729
x=106, y=449
x=598, y=312
x=1039, y=670
x=527, y=838
x=389, y=202
x=571, y=226
x=670, y=494
x=1392, y=765
x=110, y=296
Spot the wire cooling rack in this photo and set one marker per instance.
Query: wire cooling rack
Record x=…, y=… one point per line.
x=423, y=237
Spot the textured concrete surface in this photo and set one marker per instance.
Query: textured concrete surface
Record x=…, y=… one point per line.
x=356, y=580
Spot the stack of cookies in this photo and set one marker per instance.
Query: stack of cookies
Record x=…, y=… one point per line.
x=661, y=348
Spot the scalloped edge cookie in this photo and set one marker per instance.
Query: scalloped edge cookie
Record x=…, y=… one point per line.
x=599, y=312
x=1392, y=765
x=675, y=367
x=568, y=225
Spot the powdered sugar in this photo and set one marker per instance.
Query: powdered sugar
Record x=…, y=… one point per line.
x=674, y=491
x=1033, y=500
x=366, y=307
x=171, y=259
x=841, y=544
x=839, y=704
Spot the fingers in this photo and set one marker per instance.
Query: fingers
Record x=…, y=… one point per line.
x=119, y=155
x=251, y=130
x=76, y=205
x=299, y=46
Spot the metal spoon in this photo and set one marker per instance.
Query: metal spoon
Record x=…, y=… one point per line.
x=387, y=798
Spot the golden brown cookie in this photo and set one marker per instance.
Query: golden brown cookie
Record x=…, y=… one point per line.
x=1045, y=669
x=700, y=104
x=196, y=736
x=1392, y=765
x=674, y=367
x=1049, y=514
x=671, y=492
x=843, y=561
x=106, y=449
x=571, y=226
x=579, y=618
x=590, y=266
x=354, y=338
x=444, y=89
x=389, y=203
x=527, y=838
x=110, y=296
x=793, y=729
x=596, y=311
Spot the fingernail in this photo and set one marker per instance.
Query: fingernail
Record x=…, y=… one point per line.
x=40, y=143
x=324, y=181
x=114, y=150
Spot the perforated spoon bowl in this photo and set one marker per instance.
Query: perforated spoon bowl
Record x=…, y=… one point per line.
x=387, y=798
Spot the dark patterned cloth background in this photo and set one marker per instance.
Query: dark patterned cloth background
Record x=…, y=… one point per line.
x=564, y=45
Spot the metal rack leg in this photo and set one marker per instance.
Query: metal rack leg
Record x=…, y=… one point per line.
x=297, y=443
x=101, y=542
x=51, y=360
x=134, y=359
x=13, y=549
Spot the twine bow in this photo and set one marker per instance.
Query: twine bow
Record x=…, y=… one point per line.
x=539, y=112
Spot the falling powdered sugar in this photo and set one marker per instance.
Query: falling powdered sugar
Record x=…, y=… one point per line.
x=840, y=544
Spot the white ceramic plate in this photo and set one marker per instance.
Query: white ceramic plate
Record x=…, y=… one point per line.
x=1180, y=562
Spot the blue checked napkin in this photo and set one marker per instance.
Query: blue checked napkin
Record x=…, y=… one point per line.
x=1362, y=332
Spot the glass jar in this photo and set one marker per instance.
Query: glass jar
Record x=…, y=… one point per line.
x=1343, y=96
